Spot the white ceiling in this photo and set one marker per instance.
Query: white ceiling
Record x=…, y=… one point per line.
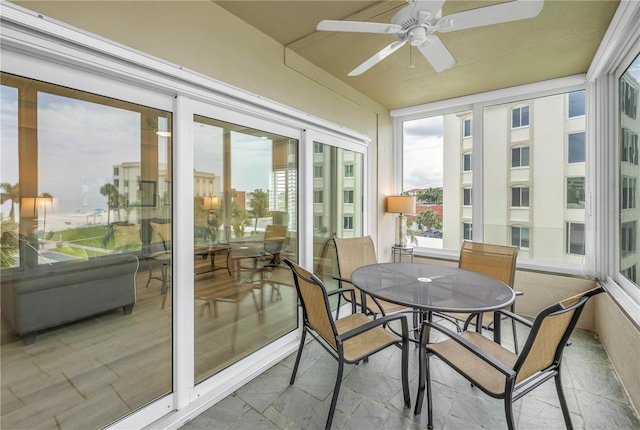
x=561, y=41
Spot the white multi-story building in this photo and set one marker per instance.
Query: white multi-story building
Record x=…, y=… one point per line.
x=629, y=176
x=534, y=177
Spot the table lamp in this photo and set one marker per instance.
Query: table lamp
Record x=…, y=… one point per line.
x=401, y=205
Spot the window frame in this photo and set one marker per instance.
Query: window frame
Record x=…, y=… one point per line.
x=467, y=166
x=520, y=110
x=521, y=194
x=520, y=149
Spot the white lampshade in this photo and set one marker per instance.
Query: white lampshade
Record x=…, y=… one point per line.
x=401, y=204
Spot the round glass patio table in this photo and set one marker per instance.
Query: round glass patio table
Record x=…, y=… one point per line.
x=433, y=288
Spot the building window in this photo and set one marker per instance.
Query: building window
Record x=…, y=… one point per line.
x=629, y=146
x=318, y=196
x=467, y=197
x=520, y=117
x=520, y=156
x=576, y=104
x=318, y=172
x=466, y=128
x=318, y=148
x=348, y=196
x=628, y=192
x=576, y=148
x=116, y=171
x=575, y=193
x=628, y=99
x=630, y=274
x=575, y=238
x=467, y=160
x=628, y=238
x=348, y=170
x=520, y=197
x=467, y=231
x=317, y=221
x=520, y=237
x=348, y=223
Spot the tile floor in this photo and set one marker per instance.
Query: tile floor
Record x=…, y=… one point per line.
x=370, y=397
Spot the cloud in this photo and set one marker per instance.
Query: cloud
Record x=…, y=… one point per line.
x=422, y=153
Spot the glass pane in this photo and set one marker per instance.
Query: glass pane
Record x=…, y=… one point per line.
x=86, y=180
x=576, y=104
x=577, y=148
x=629, y=173
x=575, y=193
x=245, y=223
x=339, y=213
x=428, y=145
x=510, y=199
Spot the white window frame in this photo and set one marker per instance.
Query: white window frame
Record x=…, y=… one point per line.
x=468, y=155
x=585, y=148
x=520, y=108
x=468, y=133
x=520, y=148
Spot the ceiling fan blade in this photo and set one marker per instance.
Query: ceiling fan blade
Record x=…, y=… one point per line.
x=496, y=14
x=359, y=27
x=379, y=56
x=437, y=54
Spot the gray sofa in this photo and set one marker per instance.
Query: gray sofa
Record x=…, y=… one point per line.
x=47, y=296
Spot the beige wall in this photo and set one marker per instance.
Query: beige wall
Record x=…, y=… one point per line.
x=621, y=340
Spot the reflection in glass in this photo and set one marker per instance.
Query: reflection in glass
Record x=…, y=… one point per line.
x=87, y=192
x=245, y=223
x=337, y=204
x=629, y=172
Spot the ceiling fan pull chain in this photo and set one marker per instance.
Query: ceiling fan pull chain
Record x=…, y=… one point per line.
x=411, y=65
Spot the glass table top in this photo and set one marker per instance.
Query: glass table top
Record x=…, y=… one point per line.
x=432, y=287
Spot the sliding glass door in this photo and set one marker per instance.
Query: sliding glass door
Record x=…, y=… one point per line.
x=245, y=223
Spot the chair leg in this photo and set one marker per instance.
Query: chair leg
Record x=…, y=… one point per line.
x=334, y=398
x=422, y=358
x=563, y=401
x=508, y=409
x=429, y=395
x=295, y=366
x=515, y=336
x=405, y=364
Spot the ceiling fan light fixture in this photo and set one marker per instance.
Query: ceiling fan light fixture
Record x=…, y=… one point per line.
x=417, y=36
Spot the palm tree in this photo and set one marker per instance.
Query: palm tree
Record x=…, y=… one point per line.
x=111, y=192
x=430, y=219
x=10, y=192
x=260, y=205
x=8, y=241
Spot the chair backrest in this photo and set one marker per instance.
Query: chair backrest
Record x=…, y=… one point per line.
x=496, y=261
x=353, y=253
x=275, y=233
x=315, y=303
x=550, y=333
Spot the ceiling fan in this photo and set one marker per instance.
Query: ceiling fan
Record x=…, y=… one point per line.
x=417, y=22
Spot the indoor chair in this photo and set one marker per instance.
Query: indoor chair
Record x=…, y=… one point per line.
x=350, y=339
x=353, y=253
x=497, y=371
x=496, y=261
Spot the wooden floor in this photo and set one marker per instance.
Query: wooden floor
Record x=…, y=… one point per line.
x=87, y=374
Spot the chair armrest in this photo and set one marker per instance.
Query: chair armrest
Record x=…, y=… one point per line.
x=496, y=364
x=350, y=291
x=377, y=323
x=515, y=317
